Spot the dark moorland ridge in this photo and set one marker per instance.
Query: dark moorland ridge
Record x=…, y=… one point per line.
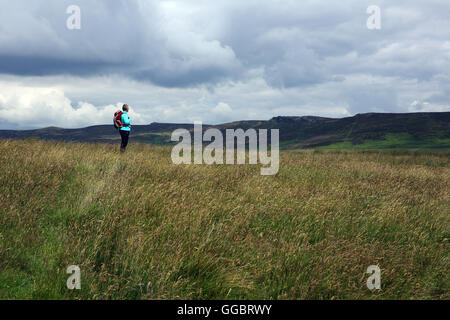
x=371, y=130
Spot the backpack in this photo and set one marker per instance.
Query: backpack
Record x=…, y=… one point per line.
x=117, y=120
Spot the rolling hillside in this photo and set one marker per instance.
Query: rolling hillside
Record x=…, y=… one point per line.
x=363, y=131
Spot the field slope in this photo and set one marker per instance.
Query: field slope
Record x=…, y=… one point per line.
x=142, y=228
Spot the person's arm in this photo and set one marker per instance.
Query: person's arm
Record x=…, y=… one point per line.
x=126, y=121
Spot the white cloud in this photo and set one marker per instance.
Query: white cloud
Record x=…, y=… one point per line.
x=424, y=106
x=49, y=106
x=223, y=109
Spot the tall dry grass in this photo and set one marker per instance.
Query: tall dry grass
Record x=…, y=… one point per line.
x=140, y=227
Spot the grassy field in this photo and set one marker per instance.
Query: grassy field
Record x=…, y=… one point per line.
x=392, y=141
x=140, y=227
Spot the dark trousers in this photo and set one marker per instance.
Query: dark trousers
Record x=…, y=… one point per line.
x=124, y=135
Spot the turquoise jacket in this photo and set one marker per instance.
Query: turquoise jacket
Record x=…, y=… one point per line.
x=125, y=121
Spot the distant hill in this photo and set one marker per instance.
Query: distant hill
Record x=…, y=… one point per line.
x=363, y=131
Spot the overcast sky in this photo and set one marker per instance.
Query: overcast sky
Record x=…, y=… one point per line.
x=219, y=60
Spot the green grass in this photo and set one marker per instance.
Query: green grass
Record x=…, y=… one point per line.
x=140, y=227
x=402, y=140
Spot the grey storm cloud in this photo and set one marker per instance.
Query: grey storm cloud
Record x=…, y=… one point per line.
x=224, y=59
x=134, y=38
x=195, y=42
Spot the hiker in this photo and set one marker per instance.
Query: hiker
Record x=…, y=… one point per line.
x=125, y=129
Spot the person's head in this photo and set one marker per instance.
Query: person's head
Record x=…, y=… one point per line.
x=125, y=108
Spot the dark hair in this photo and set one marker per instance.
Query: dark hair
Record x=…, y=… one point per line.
x=125, y=107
